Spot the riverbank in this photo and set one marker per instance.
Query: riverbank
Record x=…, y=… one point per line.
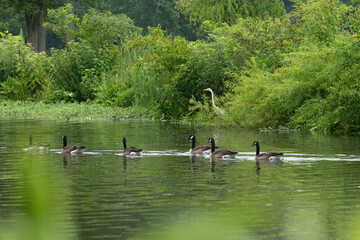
x=91, y=110
x=71, y=110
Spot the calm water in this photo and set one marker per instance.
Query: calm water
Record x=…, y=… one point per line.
x=167, y=193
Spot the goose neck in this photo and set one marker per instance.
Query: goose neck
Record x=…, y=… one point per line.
x=124, y=143
x=193, y=143
x=64, y=141
x=212, y=146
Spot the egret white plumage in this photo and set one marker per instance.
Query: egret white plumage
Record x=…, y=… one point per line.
x=216, y=109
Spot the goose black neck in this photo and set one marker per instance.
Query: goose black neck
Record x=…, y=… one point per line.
x=257, y=149
x=124, y=142
x=212, y=146
x=64, y=141
x=193, y=142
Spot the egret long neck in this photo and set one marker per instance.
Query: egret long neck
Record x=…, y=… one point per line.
x=212, y=98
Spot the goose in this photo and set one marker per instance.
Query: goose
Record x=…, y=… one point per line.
x=198, y=149
x=71, y=149
x=220, y=153
x=38, y=146
x=265, y=157
x=128, y=151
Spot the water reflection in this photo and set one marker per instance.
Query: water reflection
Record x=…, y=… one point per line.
x=312, y=194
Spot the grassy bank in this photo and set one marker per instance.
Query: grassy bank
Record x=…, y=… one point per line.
x=72, y=110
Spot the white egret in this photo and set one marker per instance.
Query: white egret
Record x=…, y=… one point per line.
x=216, y=109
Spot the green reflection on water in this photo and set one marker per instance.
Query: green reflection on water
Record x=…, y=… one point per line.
x=168, y=194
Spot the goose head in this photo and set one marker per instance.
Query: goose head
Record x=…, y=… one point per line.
x=191, y=137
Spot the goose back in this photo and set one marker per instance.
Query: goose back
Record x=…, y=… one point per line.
x=73, y=149
x=265, y=157
x=131, y=150
x=198, y=149
x=220, y=153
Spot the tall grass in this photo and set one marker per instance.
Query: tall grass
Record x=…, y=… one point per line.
x=117, y=87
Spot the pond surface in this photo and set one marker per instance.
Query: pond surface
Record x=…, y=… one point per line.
x=169, y=194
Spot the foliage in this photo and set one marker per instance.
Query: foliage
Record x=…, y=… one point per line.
x=271, y=99
x=297, y=70
x=225, y=11
x=23, y=72
x=62, y=22
x=78, y=69
x=115, y=90
x=13, y=23
x=321, y=20
x=98, y=29
x=150, y=13
x=206, y=67
x=155, y=75
x=337, y=109
x=316, y=88
x=231, y=50
x=81, y=67
x=265, y=39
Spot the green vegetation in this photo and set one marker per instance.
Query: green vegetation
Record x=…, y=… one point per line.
x=40, y=193
x=298, y=69
x=81, y=110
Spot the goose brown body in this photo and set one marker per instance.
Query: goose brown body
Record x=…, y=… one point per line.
x=265, y=157
x=67, y=149
x=198, y=149
x=220, y=153
x=37, y=146
x=131, y=150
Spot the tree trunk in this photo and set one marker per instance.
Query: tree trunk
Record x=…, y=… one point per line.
x=36, y=33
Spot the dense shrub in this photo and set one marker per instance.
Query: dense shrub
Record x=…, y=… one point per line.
x=23, y=73
x=78, y=69
x=337, y=109
x=317, y=85
x=271, y=99
x=13, y=51
x=92, y=53
x=264, y=39
x=156, y=75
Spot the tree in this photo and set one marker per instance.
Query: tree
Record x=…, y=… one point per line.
x=35, y=11
x=151, y=13
x=228, y=11
x=98, y=29
x=10, y=22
